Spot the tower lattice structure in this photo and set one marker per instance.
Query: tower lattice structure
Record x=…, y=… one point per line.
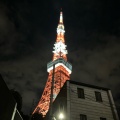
x=62, y=70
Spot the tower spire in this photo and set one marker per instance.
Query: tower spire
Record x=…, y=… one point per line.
x=59, y=46
x=62, y=70
x=61, y=17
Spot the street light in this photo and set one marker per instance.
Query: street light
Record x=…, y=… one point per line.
x=61, y=116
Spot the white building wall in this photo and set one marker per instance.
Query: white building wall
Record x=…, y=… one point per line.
x=88, y=106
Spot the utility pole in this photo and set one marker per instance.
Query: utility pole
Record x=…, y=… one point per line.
x=51, y=95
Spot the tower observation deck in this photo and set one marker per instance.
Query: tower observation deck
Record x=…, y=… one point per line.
x=62, y=70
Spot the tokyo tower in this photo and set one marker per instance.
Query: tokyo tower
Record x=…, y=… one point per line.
x=62, y=70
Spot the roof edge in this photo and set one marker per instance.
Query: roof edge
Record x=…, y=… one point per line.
x=88, y=85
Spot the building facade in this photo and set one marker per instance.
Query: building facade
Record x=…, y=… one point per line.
x=79, y=101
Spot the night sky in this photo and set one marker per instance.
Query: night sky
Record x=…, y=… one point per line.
x=28, y=32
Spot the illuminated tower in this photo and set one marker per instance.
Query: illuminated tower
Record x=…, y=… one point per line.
x=62, y=70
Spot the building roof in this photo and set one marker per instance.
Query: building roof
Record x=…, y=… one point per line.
x=88, y=85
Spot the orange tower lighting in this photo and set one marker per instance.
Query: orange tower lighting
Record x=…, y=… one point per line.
x=62, y=72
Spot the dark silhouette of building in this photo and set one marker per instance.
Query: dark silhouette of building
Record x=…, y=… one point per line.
x=8, y=105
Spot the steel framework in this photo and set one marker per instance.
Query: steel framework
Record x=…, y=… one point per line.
x=62, y=71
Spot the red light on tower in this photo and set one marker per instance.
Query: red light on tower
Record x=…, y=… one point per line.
x=62, y=71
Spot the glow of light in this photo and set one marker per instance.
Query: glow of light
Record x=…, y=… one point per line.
x=59, y=47
x=61, y=116
x=61, y=18
x=60, y=30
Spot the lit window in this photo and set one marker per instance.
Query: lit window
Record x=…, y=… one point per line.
x=98, y=96
x=83, y=117
x=80, y=92
x=102, y=118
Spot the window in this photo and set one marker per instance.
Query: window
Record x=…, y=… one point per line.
x=83, y=117
x=80, y=92
x=102, y=118
x=98, y=96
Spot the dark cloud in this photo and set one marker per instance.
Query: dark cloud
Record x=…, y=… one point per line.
x=100, y=65
x=27, y=35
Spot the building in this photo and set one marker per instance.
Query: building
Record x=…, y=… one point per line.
x=80, y=101
x=59, y=70
x=8, y=106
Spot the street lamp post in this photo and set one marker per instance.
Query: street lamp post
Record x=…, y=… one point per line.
x=51, y=96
